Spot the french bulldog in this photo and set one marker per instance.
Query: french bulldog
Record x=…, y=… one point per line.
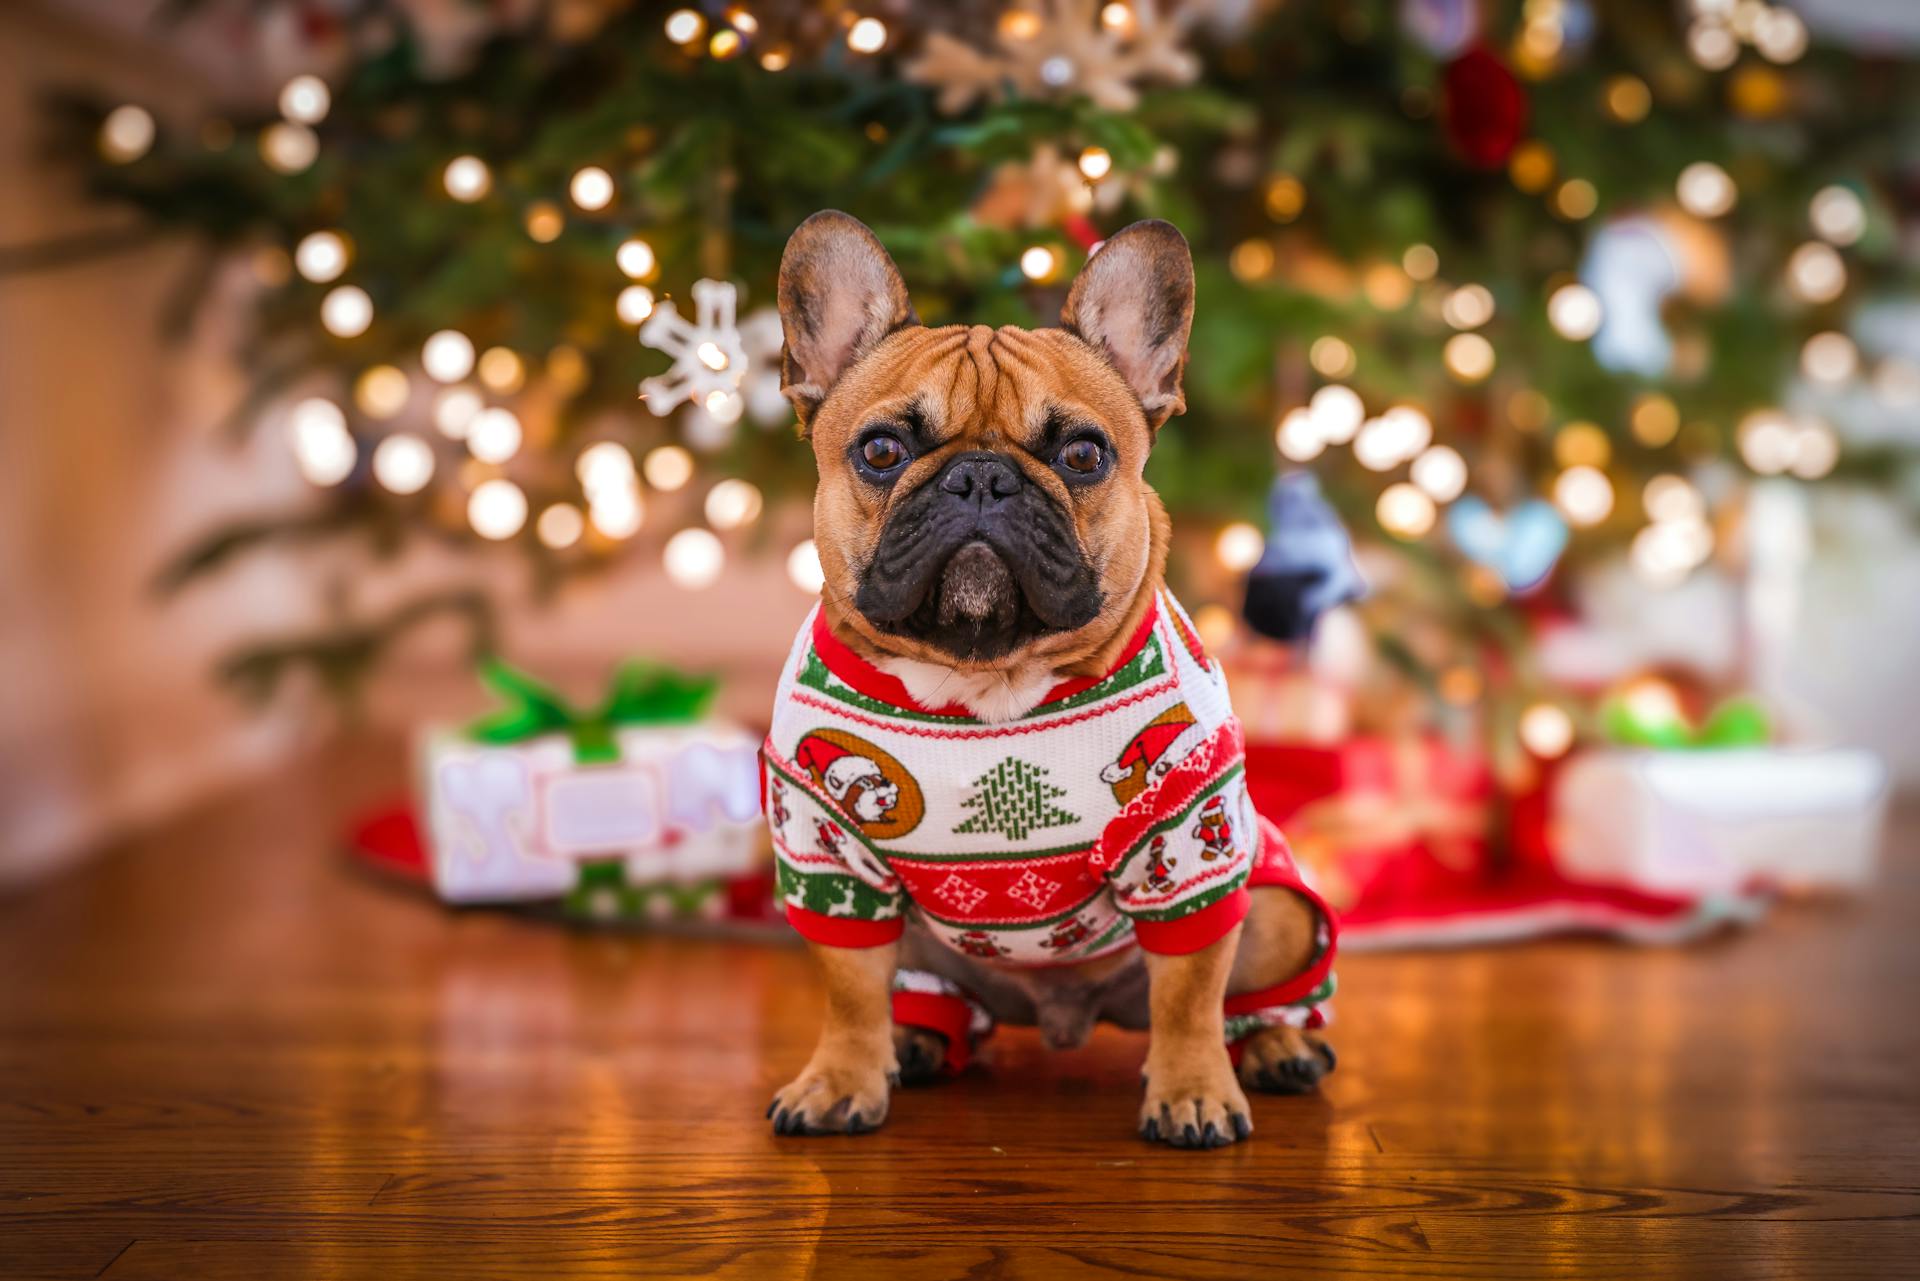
x=1004, y=780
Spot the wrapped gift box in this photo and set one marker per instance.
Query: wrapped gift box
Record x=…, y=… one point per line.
x=1718, y=821
x=515, y=822
x=638, y=807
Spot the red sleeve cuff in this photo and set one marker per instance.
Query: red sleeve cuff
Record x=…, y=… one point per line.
x=1191, y=933
x=843, y=931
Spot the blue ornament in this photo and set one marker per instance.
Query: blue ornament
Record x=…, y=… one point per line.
x=1307, y=568
x=1522, y=547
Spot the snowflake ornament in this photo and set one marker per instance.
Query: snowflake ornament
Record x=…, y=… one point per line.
x=709, y=359
x=1055, y=48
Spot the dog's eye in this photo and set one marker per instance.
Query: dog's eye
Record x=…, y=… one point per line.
x=883, y=452
x=1083, y=456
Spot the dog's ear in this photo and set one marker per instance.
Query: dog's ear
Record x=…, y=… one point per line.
x=840, y=294
x=1133, y=301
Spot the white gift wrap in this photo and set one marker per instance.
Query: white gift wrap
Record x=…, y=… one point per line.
x=510, y=823
x=1714, y=821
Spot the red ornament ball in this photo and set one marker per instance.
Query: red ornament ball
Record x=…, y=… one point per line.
x=1483, y=108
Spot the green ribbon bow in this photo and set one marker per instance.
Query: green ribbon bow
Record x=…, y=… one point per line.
x=1739, y=722
x=642, y=694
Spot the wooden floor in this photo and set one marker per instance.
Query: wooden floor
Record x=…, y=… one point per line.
x=224, y=1053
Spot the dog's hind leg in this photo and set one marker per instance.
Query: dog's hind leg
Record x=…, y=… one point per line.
x=1273, y=992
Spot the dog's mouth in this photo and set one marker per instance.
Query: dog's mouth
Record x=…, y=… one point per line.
x=979, y=577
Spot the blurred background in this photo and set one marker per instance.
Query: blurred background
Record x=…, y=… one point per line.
x=352, y=346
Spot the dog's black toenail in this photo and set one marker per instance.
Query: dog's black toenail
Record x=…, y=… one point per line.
x=1241, y=1126
x=1326, y=1052
x=857, y=1124
x=1189, y=1135
x=1150, y=1131
x=771, y=1105
x=1210, y=1137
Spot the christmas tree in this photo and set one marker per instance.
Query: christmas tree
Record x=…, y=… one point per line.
x=1527, y=284
x=1013, y=799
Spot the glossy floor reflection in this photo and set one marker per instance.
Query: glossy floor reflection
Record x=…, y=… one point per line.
x=225, y=1053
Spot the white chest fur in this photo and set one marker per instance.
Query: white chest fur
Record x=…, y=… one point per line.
x=990, y=696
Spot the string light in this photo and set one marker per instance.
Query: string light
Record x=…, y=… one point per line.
x=1238, y=546
x=494, y=435
x=1468, y=307
x=1337, y=413
x=447, y=356
x=1779, y=34
x=1705, y=190
x=126, y=134
x=744, y=20
x=467, y=178
x=305, y=100
x=1117, y=17
x=776, y=59
x=1837, y=215
x=634, y=304
x=685, y=26
x=497, y=509
x=1581, y=444
x=1391, y=439
x=617, y=513
x=668, y=467
x=1655, y=420
x=603, y=466
x=1766, y=441
x=382, y=391
x=1628, y=99
x=1829, y=358
x=1712, y=45
x=1404, y=510
x=1575, y=199
x=733, y=503
x=1546, y=731
x=1441, y=472
x=1671, y=498
x=1332, y=357
x=323, y=448
x=867, y=35
x=1285, y=196
x=1387, y=287
x=560, y=526
x=346, y=311
x=1665, y=552
x=1038, y=262
x=694, y=558
x=287, y=147
x=545, y=222
x=502, y=370
x=1815, y=273
x=1469, y=357
x=1815, y=450
x=321, y=256
x=1251, y=259
x=403, y=463
x=591, y=188
x=636, y=259
x=454, y=411
x=1298, y=438
x=1584, y=495
x=1420, y=262
x=1897, y=383
x=724, y=44
x=1574, y=312
x=803, y=567
x=1531, y=166
x=1096, y=163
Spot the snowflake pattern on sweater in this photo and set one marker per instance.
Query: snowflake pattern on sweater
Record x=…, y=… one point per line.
x=1114, y=811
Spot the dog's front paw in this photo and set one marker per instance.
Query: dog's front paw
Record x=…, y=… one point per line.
x=1285, y=1060
x=832, y=1097
x=1194, y=1102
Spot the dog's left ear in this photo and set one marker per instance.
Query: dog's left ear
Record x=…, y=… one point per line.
x=840, y=294
x=1134, y=302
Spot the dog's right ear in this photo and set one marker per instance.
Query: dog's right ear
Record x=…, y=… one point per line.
x=840, y=294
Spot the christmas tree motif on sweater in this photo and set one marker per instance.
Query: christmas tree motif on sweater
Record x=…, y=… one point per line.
x=1014, y=799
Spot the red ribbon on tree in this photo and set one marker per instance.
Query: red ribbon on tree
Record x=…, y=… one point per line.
x=1483, y=108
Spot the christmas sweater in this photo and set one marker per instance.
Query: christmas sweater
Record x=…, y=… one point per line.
x=1114, y=812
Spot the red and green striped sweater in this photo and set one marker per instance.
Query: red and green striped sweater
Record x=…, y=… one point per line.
x=1115, y=811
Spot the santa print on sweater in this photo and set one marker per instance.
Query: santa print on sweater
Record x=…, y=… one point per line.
x=1115, y=811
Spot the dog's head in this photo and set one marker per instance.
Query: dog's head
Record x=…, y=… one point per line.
x=981, y=501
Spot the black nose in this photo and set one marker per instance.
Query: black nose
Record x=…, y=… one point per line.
x=981, y=476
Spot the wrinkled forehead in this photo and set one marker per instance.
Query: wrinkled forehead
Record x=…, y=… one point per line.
x=981, y=386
